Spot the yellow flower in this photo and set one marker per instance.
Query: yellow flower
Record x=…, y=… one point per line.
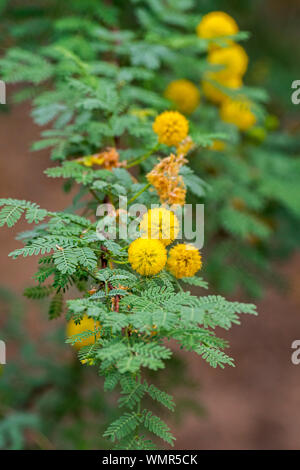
x=85, y=325
x=171, y=127
x=233, y=59
x=160, y=224
x=86, y=161
x=218, y=146
x=216, y=24
x=147, y=257
x=184, y=260
x=238, y=113
x=213, y=93
x=184, y=94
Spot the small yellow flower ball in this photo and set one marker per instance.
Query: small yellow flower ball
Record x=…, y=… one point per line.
x=184, y=260
x=218, y=146
x=234, y=59
x=238, y=113
x=85, y=325
x=215, y=94
x=160, y=224
x=171, y=127
x=147, y=257
x=216, y=24
x=184, y=94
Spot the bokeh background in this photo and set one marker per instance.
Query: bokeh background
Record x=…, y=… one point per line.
x=47, y=401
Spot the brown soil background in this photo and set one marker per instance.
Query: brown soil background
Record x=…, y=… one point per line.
x=253, y=406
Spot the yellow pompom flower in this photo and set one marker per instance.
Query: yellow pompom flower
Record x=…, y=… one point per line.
x=85, y=325
x=171, y=127
x=184, y=94
x=215, y=94
x=238, y=113
x=146, y=256
x=160, y=224
x=234, y=60
x=216, y=24
x=184, y=260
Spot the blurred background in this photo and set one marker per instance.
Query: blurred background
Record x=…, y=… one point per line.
x=47, y=398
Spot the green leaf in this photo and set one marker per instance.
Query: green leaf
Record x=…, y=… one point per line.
x=86, y=257
x=38, y=292
x=66, y=260
x=162, y=397
x=155, y=425
x=10, y=215
x=122, y=426
x=195, y=281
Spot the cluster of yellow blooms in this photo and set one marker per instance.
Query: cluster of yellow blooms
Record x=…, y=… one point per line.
x=148, y=255
x=234, y=62
x=160, y=227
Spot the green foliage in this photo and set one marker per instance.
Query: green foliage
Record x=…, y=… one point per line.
x=96, y=75
x=38, y=292
x=116, y=69
x=44, y=402
x=12, y=430
x=131, y=338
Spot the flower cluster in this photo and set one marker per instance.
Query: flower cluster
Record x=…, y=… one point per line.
x=108, y=159
x=148, y=256
x=232, y=62
x=167, y=181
